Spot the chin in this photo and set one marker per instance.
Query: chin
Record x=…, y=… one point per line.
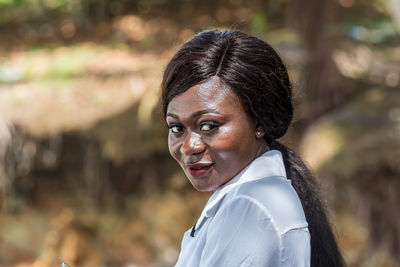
x=204, y=188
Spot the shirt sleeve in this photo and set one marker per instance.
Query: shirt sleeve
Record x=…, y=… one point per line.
x=296, y=250
x=242, y=234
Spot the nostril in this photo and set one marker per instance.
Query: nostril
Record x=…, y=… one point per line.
x=192, y=149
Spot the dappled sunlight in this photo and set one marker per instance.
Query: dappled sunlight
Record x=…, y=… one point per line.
x=57, y=106
x=327, y=138
x=369, y=64
x=147, y=233
x=353, y=65
x=61, y=93
x=75, y=61
x=133, y=27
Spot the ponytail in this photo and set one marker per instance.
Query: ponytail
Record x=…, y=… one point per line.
x=324, y=250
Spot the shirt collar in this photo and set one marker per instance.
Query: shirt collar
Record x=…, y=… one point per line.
x=268, y=164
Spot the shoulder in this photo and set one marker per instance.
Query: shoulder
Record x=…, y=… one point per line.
x=275, y=198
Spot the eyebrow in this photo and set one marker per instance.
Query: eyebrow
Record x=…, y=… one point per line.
x=195, y=114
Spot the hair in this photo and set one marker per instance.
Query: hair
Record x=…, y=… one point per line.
x=255, y=72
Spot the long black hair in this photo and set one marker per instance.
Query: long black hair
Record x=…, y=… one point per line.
x=254, y=71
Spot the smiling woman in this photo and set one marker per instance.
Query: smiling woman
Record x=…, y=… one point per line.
x=212, y=137
x=227, y=98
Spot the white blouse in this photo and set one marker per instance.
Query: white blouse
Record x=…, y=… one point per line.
x=256, y=219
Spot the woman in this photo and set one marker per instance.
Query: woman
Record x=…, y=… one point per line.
x=227, y=99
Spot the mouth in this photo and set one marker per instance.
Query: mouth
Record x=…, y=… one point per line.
x=198, y=170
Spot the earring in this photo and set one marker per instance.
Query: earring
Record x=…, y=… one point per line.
x=259, y=133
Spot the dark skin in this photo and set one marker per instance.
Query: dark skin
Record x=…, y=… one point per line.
x=211, y=136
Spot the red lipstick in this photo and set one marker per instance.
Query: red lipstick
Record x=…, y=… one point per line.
x=198, y=170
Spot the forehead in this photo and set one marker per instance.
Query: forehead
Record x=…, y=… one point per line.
x=212, y=94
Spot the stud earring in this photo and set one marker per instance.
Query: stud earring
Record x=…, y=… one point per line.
x=259, y=133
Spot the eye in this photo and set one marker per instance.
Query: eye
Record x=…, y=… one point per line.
x=208, y=126
x=175, y=129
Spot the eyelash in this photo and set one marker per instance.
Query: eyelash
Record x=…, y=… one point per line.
x=171, y=127
x=212, y=126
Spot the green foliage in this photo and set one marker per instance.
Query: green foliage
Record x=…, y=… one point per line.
x=5, y=3
x=148, y=42
x=32, y=4
x=10, y=3
x=258, y=23
x=375, y=31
x=25, y=10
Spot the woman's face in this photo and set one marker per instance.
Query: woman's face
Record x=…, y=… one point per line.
x=210, y=134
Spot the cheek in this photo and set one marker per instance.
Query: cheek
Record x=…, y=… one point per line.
x=235, y=138
x=173, y=146
x=234, y=145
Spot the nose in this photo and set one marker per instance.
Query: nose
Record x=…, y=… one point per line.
x=192, y=144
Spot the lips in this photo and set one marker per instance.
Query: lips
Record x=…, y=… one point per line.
x=199, y=169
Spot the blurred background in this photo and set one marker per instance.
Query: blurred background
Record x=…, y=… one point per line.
x=85, y=174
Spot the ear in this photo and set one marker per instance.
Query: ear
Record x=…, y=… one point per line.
x=259, y=131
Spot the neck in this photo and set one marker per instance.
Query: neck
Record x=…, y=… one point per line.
x=262, y=148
